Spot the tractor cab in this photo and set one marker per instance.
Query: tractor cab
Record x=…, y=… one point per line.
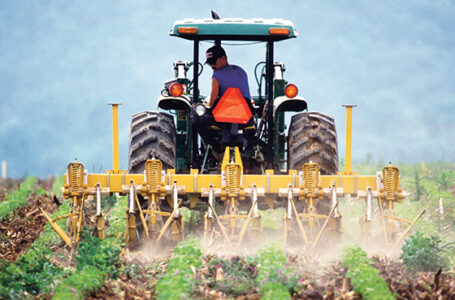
x=262, y=138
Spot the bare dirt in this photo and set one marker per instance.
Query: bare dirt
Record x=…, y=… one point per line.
x=20, y=229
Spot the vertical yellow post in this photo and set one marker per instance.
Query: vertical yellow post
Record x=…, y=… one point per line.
x=347, y=168
x=115, y=158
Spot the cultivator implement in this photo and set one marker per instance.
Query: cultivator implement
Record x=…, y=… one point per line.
x=76, y=188
x=311, y=208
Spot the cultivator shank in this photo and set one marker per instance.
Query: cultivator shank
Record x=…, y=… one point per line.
x=308, y=193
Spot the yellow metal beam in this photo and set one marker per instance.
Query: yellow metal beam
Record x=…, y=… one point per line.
x=115, y=163
x=194, y=182
x=347, y=168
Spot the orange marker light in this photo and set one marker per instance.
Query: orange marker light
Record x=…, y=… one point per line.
x=291, y=90
x=279, y=31
x=176, y=89
x=187, y=30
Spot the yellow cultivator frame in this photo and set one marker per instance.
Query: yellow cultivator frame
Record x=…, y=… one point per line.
x=302, y=189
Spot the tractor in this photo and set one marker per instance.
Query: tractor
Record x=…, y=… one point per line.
x=252, y=161
x=263, y=143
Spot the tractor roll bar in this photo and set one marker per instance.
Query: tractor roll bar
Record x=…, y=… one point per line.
x=269, y=75
x=195, y=100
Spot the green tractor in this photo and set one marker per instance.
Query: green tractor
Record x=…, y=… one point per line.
x=173, y=139
x=264, y=144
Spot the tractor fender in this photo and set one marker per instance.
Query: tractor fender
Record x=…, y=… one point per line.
x=284, y=103
x=178, y=103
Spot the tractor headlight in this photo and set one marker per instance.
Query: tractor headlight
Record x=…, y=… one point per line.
x=200, y=110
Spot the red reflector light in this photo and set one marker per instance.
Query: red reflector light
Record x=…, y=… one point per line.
x=291, y=90
x=232, y=108
x=187, y=30
x=279, y=31
x=176, y=89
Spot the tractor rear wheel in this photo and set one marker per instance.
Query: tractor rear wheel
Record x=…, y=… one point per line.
x=152, y=135
x=313, y=137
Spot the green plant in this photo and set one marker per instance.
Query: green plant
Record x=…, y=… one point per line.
x=33, y=273
x=179, y=280
x=274, y=278
x=192, y=219
x=97, y=259
x=418, y=188
x=239, y=274
x=18, y=198
x=57, y=185
x=420, y=253
x=364, y=277
x=78, y=284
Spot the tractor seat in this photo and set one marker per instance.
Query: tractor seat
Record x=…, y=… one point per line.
x=213, y=127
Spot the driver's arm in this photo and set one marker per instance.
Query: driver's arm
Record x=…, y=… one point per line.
x=215, y=91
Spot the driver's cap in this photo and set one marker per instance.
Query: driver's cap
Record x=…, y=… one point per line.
x=213, y=53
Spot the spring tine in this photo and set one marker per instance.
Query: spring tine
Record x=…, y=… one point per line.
x=98, y=200
x=132, y=193
x=223, y=230
x=299, y=222
x=168, y=222
x=247, y=221
x=316, y=240
x=369, y=208
x=210, y=214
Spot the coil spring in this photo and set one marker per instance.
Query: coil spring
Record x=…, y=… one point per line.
x=153, y=173
x=76, y=173
x=311, y=175
x=232, y=178
x=390, y=175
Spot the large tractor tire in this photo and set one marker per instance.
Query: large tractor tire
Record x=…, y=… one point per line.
x=313, y=137
x=152, y=134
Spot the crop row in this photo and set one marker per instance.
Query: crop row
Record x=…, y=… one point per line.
x=179, y=280
x=274, y=278
x=37, y=273
x=17, y=198
x=364, y=277
x=33, y=273
x=233, y=276
x=96, y=259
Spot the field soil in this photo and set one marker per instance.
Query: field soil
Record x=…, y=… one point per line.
x=138, y=275
x=20, y=229
x=319, y=282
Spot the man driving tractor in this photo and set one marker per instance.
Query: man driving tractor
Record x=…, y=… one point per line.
x=226, y=78
x=225, y=75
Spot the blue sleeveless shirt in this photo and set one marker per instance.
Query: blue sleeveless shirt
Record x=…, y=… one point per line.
x=232, y=76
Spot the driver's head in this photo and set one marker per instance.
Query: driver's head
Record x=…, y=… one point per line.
x=213, y=54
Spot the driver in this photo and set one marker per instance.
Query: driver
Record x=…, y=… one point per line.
x=225, y=75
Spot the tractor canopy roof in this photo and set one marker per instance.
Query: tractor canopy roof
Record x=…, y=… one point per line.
x=237, y=29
